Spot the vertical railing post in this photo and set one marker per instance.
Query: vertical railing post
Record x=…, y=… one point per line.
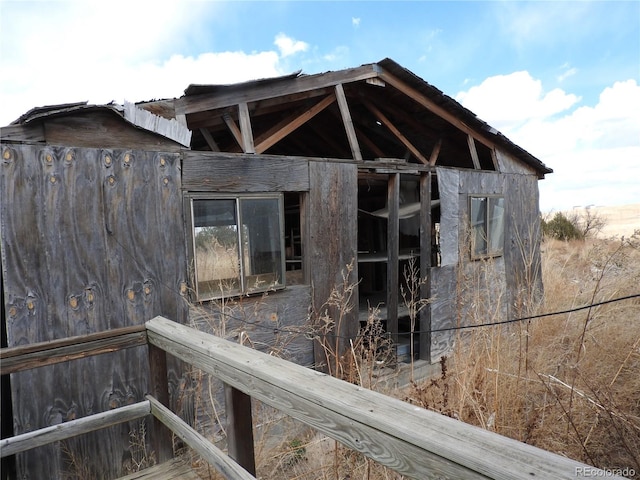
x=240, y=428
x=161, y=441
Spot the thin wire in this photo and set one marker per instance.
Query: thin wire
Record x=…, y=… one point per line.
x=447, y=329
x=313, y=334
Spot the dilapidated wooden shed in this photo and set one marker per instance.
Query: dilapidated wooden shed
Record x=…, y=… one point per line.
x=265, y=195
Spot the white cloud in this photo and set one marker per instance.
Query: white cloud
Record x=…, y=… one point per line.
x=506, y=101
x=62, y=52
x=355, y=21
x=289, y=46
x=594, y=150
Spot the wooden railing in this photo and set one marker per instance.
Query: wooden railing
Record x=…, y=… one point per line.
x=410, y=440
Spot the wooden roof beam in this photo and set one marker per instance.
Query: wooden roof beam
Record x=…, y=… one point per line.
x=210, y=140
x=291, y=123
x=398, y=134
x=261, y=91
x=433, y=107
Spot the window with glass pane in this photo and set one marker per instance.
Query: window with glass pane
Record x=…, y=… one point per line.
x=237, y=245
x=487, y=226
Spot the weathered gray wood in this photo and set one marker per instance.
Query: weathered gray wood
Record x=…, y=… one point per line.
x=415, y=442
x=433, y=106
x=425, y=265
x=433, y=158
x=474, y=153
x=348, y=123
x=245, y=128
x=332, y=243
x=22, y=133
x=72, y=428
x=177, y=468
x=87, y=129
x=261, y=91
x=240, y=428
x=393, y=252
x=200, y=444
x=159, y=388
x=228, y=172
x=396, y=132
x=42, y=354
x=92, y=240
x=169, y=128
x=210, y=140
x=291, y=123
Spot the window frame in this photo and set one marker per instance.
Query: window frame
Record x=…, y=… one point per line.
x=244, y=289
x=489, y=250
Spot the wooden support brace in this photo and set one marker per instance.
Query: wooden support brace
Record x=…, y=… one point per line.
x=210, y=140
x=245, y=128
x=348, y=123
x=474, y=153
x=290, y=124
x=161, y=441
x=240, y=428
x=233, y=128
x=435, y=152
x=199, y=443
x=397, y=133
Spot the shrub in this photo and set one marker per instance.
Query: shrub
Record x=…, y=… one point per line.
x=561, y=228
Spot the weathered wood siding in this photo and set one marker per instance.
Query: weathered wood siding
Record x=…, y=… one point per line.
x=522, y=244
x=466, y=291
x=92, y=239
x=333, y=242
x=276, y=323
x=232, y=173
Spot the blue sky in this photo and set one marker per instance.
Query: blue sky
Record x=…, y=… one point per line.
x=561, y=79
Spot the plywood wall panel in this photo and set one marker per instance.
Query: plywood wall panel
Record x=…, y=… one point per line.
x=92, y=239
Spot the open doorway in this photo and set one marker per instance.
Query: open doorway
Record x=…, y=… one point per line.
x=394, y=233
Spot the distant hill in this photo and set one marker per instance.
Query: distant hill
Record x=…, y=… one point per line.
x=620, y=220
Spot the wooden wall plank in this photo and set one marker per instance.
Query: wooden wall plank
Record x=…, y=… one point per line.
x=224, y=172
x=333, y=243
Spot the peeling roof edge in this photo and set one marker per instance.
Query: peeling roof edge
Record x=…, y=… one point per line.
x=138, y=117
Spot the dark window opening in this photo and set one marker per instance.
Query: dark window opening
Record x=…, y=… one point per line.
x=237, y=245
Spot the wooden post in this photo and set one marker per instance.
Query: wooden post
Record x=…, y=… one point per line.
x=240, y=428
x=159, y=388
x=425, y=265
x=393, y=243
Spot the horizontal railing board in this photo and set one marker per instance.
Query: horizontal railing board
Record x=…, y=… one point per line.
x=212, y=454
x=72, y=428
x=408, y=439
x=26, y=357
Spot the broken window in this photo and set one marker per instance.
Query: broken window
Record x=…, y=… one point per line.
x=487, y=225
x=238, y=244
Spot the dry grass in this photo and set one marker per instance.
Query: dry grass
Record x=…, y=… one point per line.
x=567, y=383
